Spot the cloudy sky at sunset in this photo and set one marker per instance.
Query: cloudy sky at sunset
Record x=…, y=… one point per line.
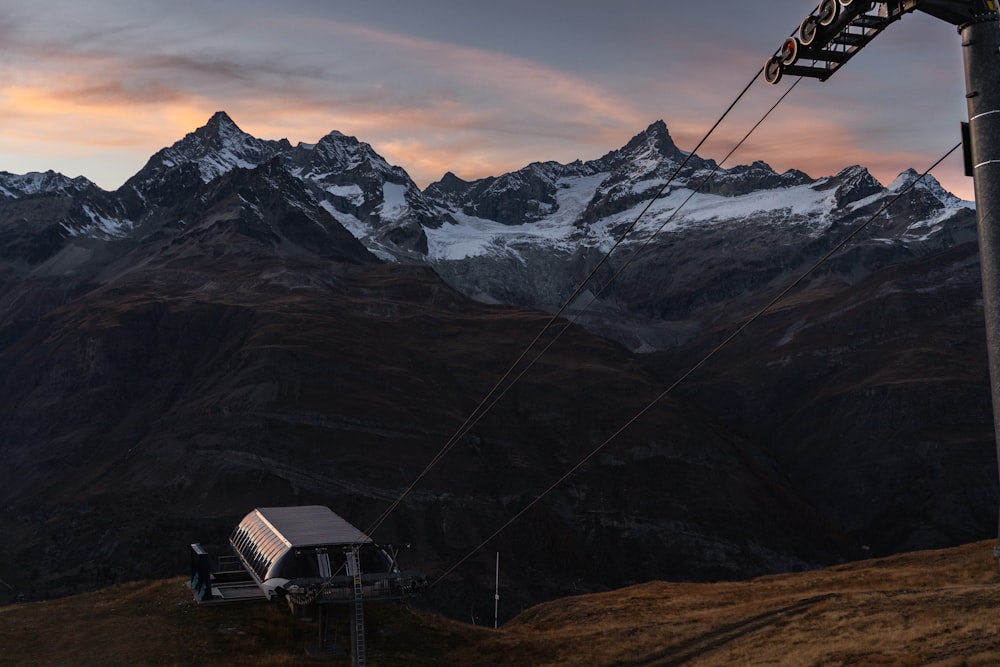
x=472, y=87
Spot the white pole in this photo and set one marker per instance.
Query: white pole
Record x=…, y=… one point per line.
x=496, y=595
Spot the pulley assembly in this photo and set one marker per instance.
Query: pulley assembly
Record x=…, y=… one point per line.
x=829, y=37
x=838, y=29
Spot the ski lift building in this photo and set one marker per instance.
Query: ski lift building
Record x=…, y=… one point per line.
x=304, y=553
x=311, y=558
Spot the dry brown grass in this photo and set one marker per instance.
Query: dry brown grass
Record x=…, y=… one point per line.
x=158, y=623
x=930, y=608
x=927, y=608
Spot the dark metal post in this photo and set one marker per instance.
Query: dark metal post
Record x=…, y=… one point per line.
x=981, y=44
x=201, y=573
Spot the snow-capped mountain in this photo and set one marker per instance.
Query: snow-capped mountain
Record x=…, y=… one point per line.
x=17, y=186
x=591, y=203
x=533, y=236
x=378, y=202
x=530, y=237
x=247, y=318
x=215, y=149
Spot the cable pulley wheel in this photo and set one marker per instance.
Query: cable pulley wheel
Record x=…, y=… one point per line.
x=808, y=31
x=773, y=70
x=827, y=12
x=789, y=52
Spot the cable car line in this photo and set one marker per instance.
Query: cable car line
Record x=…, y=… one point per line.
x=641, y=248
x=739, y=330
x=705, y=181
x=482, y=408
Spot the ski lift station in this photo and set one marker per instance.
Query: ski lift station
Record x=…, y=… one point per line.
x=308, y=557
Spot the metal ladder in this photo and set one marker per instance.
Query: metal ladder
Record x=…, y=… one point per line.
x=357, y=610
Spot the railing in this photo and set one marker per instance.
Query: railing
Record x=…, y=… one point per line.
x=389, y=586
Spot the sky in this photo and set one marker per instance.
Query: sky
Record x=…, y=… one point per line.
x=468, y=86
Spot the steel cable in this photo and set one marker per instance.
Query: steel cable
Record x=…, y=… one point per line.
x=739, y=330
x=488, y=401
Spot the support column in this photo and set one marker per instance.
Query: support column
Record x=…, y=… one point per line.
x=981, y=46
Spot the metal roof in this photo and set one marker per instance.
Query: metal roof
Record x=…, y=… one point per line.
x=310, y=526
x=273, y=542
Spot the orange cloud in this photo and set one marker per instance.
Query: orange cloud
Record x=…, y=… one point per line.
x=42, y=116
x=475, y=112
x=429, y=107
x=816, y=142
x=487, y=89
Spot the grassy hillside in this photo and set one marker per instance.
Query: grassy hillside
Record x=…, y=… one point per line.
x=926, y=608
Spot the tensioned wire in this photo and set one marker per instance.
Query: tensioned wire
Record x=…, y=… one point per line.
x=739, y=330
x=482, y=408
x=642, y=246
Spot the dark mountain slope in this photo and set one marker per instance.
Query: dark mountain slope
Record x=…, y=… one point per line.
x=211, y=337
x=253, y=354
x=875, y=398
x=157, y=409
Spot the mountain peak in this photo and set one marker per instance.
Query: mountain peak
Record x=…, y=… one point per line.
x=222, y=129
x=15, y=186
x=924, y=183
x=654, y=139
x=338, y=153
x=658, y=128
x=216, y=147
x=658, y=132
x=220, y=119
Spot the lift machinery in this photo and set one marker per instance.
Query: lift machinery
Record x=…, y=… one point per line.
x=837, y=29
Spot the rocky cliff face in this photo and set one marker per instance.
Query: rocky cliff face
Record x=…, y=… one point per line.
x=712, y=235
x=249, y=323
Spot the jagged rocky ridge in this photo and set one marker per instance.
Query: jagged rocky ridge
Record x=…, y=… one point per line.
x=210, y=336
x=532, y=236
